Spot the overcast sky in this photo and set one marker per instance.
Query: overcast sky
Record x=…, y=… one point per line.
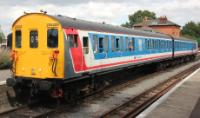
x=110, y=11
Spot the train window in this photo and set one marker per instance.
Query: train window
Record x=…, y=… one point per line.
x=95, y=43
x=168, y=45
x=106, y=43
x=159, y=44
x=130, y=45
x=113, y=43
x=101, y=45
x=146, y=46
x=117, y=44
x=18, y=39
x=164, y=44
x=133, y=44
x=73, y=39
x=33, y=39
x=85, y=45
x=52, y=38
x=154, y=44
x=127, y=44
x=139, y=45
x=121, y=43
x=150, y=44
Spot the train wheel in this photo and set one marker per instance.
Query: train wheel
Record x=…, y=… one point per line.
x=160, y=67
x=71, y=96
x=22, y=94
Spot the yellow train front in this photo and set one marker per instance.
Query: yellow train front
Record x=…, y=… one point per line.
x=37, y=53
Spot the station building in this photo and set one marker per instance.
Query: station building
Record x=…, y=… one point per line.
x=161, y=24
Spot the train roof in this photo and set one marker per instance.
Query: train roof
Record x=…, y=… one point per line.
x=184, y=39
x=67, y=22
x=102, y=27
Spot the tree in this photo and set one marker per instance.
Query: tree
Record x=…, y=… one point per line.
x=2, y=36
x=191, y=30
x=138, y=17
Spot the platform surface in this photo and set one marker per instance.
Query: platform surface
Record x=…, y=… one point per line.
x=183, y=102
x=4, y=74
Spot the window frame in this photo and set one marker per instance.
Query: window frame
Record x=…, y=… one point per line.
x=30, y=39
x=86, y=47
x=117, y=44
x=56, y=36
x=113, y=43
x=100, y=43
x=73, y=44
x=16, y=39
x=106, y=43
x=95, y=43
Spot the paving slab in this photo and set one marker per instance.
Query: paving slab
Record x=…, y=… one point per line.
x=4, y=74
x=184, y=102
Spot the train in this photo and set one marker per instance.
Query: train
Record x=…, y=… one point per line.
x=60, y=55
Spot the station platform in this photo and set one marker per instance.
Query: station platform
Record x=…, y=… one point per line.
x=4, y=74
x=183, y=101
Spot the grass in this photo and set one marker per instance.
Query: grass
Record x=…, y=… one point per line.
x=5, y=61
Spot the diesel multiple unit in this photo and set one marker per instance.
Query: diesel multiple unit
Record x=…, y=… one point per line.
x=58, y=53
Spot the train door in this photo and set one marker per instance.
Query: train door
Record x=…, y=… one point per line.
x=75, y=49
x=87, y=54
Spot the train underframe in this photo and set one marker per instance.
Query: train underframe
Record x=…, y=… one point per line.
x=71, y=91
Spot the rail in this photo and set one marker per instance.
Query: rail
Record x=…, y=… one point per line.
x=136, y=105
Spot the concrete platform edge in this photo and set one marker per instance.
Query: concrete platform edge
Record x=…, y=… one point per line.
x=163, y=98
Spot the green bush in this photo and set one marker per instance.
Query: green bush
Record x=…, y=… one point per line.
x=5, y=61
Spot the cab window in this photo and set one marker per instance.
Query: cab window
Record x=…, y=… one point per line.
x=33, y=39
x=52, y=38
x=18, y=39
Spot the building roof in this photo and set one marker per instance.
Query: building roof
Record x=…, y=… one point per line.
x=162, y=21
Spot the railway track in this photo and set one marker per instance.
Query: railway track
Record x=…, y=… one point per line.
x=34, y=110
x=37, y=111
x=136, y=105
x=104, y=94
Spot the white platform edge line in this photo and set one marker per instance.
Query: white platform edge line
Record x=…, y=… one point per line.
x=164, y=97
x=2, y=83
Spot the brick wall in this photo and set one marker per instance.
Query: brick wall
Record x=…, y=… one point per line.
x=172, y=30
